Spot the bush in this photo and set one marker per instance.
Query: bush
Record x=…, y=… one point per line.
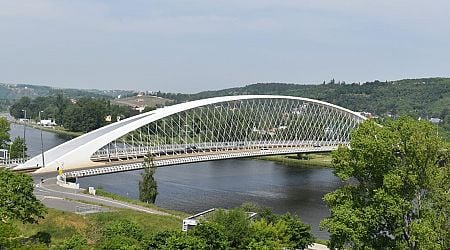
x=76, y=242
x=212, y=233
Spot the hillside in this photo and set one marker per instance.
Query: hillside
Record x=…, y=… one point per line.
x=141, y=101
x=16, y=91
x=428, y=97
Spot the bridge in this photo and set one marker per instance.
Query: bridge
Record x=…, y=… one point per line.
x=204, y=130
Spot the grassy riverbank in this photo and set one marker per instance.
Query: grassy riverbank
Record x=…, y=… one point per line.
x=101, y=192
x=56, y=129
x=59, y=131
x=308, y=160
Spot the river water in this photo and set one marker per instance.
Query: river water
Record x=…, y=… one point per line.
x=229, y=183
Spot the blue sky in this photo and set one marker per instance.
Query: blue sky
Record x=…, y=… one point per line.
x=195, y=45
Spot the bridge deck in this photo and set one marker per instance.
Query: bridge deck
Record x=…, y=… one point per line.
x=168, y=160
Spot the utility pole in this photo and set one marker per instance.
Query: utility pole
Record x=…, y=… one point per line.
x=42, y=141
x=24, y=142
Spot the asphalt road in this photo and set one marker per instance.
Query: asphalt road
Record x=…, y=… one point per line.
x=73, y=200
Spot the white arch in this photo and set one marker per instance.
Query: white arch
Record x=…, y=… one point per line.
x=76, y=153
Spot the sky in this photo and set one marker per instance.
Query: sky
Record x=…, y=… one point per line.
x=194, y=45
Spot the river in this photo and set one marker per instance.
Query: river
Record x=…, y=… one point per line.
x=229, y=183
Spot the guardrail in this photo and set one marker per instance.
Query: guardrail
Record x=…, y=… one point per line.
x=127, y=152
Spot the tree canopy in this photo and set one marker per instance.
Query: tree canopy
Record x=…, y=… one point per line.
x=4, y=132
x=17, y=201
x=397, y=188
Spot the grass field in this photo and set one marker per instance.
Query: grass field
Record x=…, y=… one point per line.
x=313, y=160
x=63, y=225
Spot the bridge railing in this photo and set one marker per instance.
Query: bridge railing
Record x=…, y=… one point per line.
x=9, y=163
x=128, y=152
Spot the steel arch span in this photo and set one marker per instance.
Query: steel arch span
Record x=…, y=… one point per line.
x=208, y=129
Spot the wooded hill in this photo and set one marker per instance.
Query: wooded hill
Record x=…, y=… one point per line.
x=427, y=97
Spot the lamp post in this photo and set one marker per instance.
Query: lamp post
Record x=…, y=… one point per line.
x=42, y=141
x=25, y=117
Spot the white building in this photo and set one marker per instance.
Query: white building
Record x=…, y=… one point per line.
x=47, y=123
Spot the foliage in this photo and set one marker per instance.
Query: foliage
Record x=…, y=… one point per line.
x=268, y=235
x=82, y=115
x=236, y=226
x=148, y=189
x=122, y=234
x=397, y=189
x=120, y=242
x=76, y=242
x=7, y=231
x=17, y=200
x=184, y=241
x=299, y=233
x=212, y=234
x=426, y=97
x=158, y=240
x=124, y=228
x=18, y=147
x=4, y=132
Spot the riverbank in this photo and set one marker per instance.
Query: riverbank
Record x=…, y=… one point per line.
x=322, y=160
x=56, y=129
x=101, y=192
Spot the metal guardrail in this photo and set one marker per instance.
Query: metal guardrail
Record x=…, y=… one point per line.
x=9, y=163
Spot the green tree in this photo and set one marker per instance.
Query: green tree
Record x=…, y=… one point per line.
x=61, y=104
x=17, y=148
x=4, y=133
x=268, y=236
x=299, y=233
x=76, y=242
x=185, y=242
x=212, y=234
x=236, y=226
x=397, y=191
x=148, y=189
x=23, y=103
x=17, y=200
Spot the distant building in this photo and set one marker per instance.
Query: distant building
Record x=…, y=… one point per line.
x=435, y=120
x=47, y=123
x=139, y=108
x=366, y=114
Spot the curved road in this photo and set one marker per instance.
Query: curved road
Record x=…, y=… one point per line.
x=66, y=199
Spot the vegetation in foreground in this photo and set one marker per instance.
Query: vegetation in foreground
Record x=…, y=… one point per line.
x=301, y=160
x=397, y=191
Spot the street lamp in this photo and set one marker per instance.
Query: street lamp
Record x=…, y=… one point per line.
x=25, y=117
x=42, y=141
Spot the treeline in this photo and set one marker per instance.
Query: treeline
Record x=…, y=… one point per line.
x=81, y=115
x=428, y=97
